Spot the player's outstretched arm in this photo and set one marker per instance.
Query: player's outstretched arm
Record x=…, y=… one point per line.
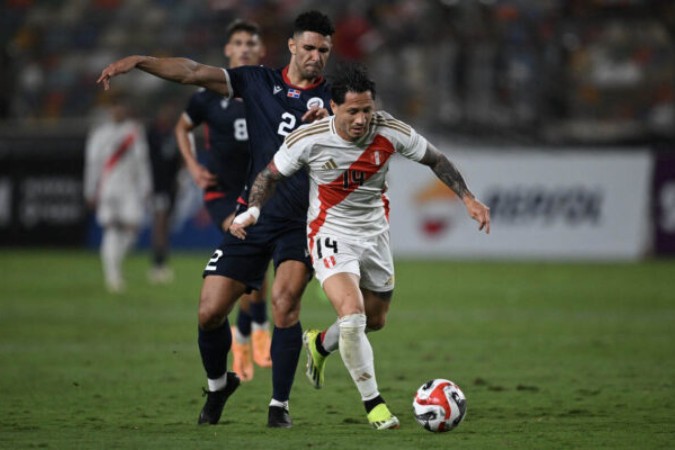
x=200, y=175
x=450, y=176
x=262, y=189
x=180, y=70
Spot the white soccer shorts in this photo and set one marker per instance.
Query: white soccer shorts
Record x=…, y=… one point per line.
x=127, y=210
x=370, y=259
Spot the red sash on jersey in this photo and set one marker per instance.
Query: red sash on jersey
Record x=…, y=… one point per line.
x=113, y=159
x=330, y=194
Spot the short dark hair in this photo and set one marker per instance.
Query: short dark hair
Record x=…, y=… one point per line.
x=350, y=77
x=241, y=25
x=314, y=21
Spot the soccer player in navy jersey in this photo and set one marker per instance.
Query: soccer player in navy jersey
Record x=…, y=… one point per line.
x=277, y=102
x=223, y=179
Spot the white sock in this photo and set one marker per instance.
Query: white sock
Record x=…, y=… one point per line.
x=218, y=383
x=255, y=326
x=128, y=240
x=284, y=405
x=111, y=255
x=357, y=354
x=240, y=338
x=331, y=338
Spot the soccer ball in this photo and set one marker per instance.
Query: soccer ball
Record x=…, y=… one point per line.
x=439, y=405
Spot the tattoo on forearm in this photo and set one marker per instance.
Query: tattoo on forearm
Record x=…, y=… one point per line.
x=448, y=174
x=264, y=185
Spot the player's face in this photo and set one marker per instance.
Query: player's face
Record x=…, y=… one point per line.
x=309, y=53
x=352, y=118
x=244, y=49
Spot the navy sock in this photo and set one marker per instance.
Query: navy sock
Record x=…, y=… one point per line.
x=244, y=322
x=214, y=346
x=285, y=351
x=258, y=311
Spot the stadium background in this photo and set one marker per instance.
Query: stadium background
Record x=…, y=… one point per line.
x=561, y=115
x=516, y=80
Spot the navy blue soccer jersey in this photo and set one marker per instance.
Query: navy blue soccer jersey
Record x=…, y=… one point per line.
x=274, y=108
x=227, y=154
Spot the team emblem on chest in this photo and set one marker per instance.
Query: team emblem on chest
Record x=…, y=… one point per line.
x=375, y=158
x=315, y=102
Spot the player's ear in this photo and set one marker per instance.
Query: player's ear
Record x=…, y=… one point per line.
x=226, y=50
x=333, y=105
x=291, y=45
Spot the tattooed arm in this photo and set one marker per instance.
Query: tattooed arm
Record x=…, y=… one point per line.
x=446, y=171
x=262, y=189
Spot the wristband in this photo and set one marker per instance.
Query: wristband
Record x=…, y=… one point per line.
x=253, y=211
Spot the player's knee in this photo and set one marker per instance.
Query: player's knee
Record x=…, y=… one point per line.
x=208, y=320
x=210, y=316
x=376, y=323
x=286, y=310
x=286, y=300
x=352, y=326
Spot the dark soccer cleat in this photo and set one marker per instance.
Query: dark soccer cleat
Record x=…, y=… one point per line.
x=215, y=401
x=278, y=417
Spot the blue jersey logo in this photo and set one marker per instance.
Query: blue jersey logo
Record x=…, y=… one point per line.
x=293, y=93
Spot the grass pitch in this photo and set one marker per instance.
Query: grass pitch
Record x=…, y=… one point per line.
x=550, y=356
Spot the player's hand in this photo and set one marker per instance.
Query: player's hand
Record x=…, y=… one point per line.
x=314, y=113
x=478, y=212
x=243, y=221
x=117, y=68
x=202, y=177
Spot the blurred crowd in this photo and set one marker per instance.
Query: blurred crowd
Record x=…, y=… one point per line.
x=553, y=71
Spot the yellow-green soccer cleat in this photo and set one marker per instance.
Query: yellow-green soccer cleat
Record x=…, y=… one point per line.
x=315, y=360
x=382, y=419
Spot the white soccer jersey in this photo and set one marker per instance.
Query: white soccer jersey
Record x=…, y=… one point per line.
x=117, y=172
x=348, y=179
x=117, y=162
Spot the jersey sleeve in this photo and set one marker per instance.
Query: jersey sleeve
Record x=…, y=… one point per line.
x=290, y=159
x=239, y=78
x=196, y=108
x=413, y=146
x=92, y=165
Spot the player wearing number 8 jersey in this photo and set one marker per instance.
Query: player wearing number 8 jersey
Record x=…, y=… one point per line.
x=347, y=225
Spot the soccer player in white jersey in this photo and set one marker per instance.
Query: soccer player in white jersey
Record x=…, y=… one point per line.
x=117, y=184
x=347, y=156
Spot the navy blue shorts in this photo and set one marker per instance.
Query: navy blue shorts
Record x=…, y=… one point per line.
x=271, y=239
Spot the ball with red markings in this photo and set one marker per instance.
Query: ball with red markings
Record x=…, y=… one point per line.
x=439, y=405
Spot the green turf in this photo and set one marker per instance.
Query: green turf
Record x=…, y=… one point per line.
x=550, y=356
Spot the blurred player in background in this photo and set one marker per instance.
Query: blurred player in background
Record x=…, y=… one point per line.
x=117, y=184
x=277, y=102
x=347, y=157
x=166, y=164
x=223, y=180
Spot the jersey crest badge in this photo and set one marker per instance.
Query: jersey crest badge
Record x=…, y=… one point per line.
x=293, y=93
x=315, y=102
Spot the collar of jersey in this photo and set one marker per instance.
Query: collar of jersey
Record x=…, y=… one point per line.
x=284, y=75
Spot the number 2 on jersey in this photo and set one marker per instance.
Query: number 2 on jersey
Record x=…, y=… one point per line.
x=287, y=124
